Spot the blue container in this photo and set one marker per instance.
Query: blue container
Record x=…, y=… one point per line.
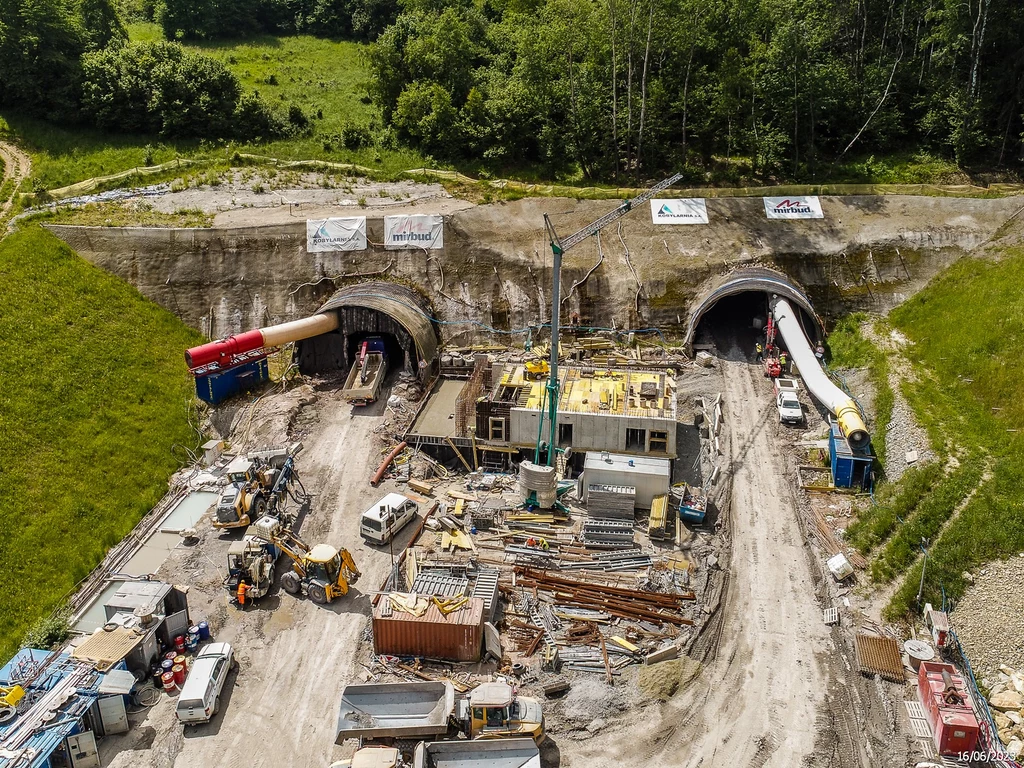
x=204, y=630
x=214, y=388
x=192, y=640
x=167, y=664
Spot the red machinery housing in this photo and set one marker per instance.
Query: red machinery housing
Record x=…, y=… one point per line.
x=944, y=696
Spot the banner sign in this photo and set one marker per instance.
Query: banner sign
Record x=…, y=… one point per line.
x=691, y=210
x=336, y=234
x=793, y=208
x=414, y=232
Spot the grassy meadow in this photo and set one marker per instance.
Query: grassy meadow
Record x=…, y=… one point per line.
x=965, y=329
x=325, y=78
x=94, y=412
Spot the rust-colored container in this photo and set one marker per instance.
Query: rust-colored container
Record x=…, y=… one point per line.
x=457, y=636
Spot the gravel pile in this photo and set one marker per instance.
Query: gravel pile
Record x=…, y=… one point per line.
x=903, y=434
x=988, y=620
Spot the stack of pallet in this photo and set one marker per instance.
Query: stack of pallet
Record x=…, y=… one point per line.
x=607, y=534
x=611, y=502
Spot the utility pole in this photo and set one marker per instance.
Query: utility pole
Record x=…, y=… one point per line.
x=924, y=565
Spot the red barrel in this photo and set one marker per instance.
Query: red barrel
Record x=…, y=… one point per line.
x=170, y=655
x=179, y=674
x=179, y=643
x=168, y=681
x=182, y=661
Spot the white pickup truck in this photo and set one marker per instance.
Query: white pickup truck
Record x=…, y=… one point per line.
x=787, y=402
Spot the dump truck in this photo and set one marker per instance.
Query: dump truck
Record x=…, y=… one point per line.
x=787, y=402
x=257, y=485
x=368, y=372
x=253, y=558
x=390, y=712
x=503, y=753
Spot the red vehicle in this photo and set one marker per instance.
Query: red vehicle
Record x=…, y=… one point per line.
x=944, y=696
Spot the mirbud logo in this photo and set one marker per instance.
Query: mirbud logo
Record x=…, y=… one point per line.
x=793, y=208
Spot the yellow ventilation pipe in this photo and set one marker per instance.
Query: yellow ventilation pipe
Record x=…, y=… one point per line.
x=817, y=381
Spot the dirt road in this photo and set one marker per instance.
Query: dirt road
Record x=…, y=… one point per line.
x=757, y=702
x=295, y=656
x=16, y=167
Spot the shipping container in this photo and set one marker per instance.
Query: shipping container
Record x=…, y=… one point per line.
x=457, y=636
x=216, y=387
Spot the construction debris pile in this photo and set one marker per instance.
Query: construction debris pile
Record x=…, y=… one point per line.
x=550, y=595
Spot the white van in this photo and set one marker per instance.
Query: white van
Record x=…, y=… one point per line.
x=387, y=517
x=199, y=699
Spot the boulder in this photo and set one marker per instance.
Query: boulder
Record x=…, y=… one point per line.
x=1002, y=721
x=1005, y=735
x=996, y=689
x=1007, y=700
x=1014, y=717
x=1018, y=683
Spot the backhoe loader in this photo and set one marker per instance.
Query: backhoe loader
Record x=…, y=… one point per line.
x=321, y=571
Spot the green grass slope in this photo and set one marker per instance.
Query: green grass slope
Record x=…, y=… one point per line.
x=967, y=327
x=95, y=395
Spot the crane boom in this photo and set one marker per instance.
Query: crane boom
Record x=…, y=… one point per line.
x=558, y=247
x=592, y=229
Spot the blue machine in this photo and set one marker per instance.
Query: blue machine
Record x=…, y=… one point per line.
x=219, y=384
x=850, y=468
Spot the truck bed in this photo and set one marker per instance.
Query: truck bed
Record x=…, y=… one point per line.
x=395, y=710
x=497, y=753
x=365, y=392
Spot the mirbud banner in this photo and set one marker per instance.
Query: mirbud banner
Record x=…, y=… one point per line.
x=402, y=232
x=793, y=208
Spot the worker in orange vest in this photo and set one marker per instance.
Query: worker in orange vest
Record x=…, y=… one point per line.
x=243, y=588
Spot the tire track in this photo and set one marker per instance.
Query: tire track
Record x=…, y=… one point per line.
x=17, y=167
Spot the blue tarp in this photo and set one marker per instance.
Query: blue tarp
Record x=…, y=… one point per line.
x=48, y=672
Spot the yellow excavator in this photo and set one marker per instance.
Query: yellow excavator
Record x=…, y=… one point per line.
x=321, y=571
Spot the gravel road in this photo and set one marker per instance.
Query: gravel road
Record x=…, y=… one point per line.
x=295, y=656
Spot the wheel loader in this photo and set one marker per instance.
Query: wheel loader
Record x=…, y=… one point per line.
x=321, y=571
x=257, y=486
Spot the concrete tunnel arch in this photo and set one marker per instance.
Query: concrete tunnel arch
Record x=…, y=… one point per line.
x=396, y=312
x=751, y=280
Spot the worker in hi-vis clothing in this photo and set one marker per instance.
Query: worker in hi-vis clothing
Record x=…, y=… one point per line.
x=242, y=589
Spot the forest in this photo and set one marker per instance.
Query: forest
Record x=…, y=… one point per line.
x=610, y=90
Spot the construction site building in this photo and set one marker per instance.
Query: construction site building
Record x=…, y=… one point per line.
x=621, y=411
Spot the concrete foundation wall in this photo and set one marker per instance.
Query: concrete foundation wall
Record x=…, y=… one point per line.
x=868, y=252
x=592, y=431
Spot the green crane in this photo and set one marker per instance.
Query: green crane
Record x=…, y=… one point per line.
x=559, y=247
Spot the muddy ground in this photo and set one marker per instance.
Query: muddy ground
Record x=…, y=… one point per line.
x=775, y=686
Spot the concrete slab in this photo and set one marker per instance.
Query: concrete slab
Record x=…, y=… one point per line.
x=437, y=419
